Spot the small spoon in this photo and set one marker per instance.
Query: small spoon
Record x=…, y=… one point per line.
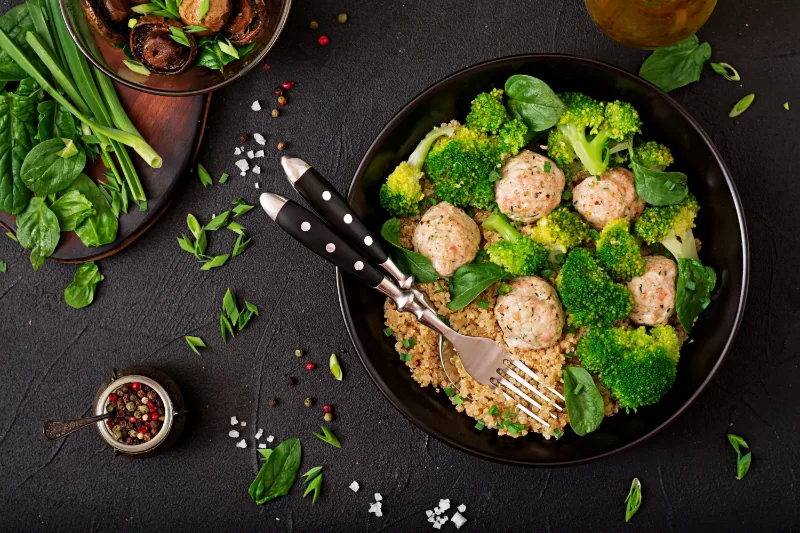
x=57, y=429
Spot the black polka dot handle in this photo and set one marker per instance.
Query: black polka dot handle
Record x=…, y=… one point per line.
x=324, y=198
x=315, y=235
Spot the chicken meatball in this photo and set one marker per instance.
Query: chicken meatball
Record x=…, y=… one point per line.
x=608, y=198
x=531, y=315
x=448, y=237
x=654, y=292
x=530, y=187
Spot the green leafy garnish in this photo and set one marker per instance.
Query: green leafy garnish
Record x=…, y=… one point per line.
x=483, y=303
x=335, y=367
x=80, y=293
x=410, y=262
x=533, y=102
x=458, y=400
x=179, y=36
x=479, y=425
x=328, y=437
x=202, y=10
x=742, y=105
x=742, y=461
x=677, y=65
x=38, y=231
x=205, y=177
x=388, y=332
x=71, y=209
x=405, y=357
x=241, y=208
x=726, y=70
x=218, y=221
x=227, y=48
x=278, y=473
x=584, y=402
x=470, y=280
x=195, y=343
x=409, y=343
x=313, y=480
x=135, y=66
x=504, y=288
x=192, y=28
x=236, y=228
x=494, y=411
x=240, y=245
x=3, y=266
x=448, y=391
x=634, y=499
x=226, y=328
x=215, y=262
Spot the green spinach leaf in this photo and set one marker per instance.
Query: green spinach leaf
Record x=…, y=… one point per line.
x=469, y=281
x=584, y=402
x=45, y=171
x=695, y=284
x=676, y=65
x=658, y=187
x=100, y=228
x=71, y=209
x=80, y=292
x=16, y=23
x=55, y=122
x=38, y=231
x=533, y=102
x=17, y=137
x=278, y=474
x=408, y=261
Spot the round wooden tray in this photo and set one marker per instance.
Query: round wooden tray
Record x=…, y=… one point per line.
x=174, y=128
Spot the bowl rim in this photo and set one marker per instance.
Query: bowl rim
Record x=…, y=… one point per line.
x=485, y=65
x=119, y=79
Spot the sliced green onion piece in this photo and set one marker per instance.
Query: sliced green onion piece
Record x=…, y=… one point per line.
x=742, y=105
x=336, y=369
x=135, y=66
x=726, y=70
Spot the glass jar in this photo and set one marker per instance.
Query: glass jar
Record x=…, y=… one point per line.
x=649, y=23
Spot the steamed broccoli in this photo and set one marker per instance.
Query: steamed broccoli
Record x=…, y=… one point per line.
x=465, y=166
x=488, y=113
x=519, y=254
x=561, y=230
x=638, y=368
x=585, y=129
x=653, y=155
x=588, y=293
x=618, y=252
x=402, y=192
x=671, y=225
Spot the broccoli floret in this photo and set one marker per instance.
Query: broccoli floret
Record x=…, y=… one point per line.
x=671, y=225
x=488, y=113
x=562, y=229
x=588, y=293
x=587, y=126
x=520, y=255
x=465, y=166
x=402, y=192
x=653, y=155
x=638, y=368
x=618, y=252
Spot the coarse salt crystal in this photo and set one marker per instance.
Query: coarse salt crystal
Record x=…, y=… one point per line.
x=262, y=445
x=444, y=505
x=260, y=153
x=243, y=424
x=255, y=106
x=374, y=507
x=250, y=154
x=432, y=520
x=234, y=421
x=429, y=513
x=256, y=182
x=256, y=169
x=354, y=486
x=259, y=433
x=461, y=508
x=242, y=164
x=458, y=520
x=270, y=438
x=378, y=497
x=233, y=433
x=237, y=151
x=444, y=519
x=243, y=173
x=437, y=511
x=259, y=139
x=241, y=444
x=437, y=525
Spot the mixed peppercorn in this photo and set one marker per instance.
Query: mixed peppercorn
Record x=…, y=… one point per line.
x=138, y=413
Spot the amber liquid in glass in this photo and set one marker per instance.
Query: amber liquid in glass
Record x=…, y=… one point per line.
x=649, y=23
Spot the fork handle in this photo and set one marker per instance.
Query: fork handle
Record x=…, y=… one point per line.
x=315, y=235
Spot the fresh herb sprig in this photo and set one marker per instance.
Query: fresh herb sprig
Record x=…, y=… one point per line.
x=278, y=473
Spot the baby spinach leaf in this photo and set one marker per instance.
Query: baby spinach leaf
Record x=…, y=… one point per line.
x=45, y=170
x=278, y=474
x=100, y=228
x=80, y=293
x=533, y=102
x=657, y=187
x=677, y=65
x=71, y=209
x=695, y=284
x=17, y=137
x=38, y=231
x=55, y=122
x=408, y=261
x=469, y=281
x=16, y=23
x=584, y=402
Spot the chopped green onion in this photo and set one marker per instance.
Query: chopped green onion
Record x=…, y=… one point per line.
x=483, y=303
x=223, y=179
x=547, y=166
x=448, y=391
x=458, y=400
x=566, y=195
x=388, y=332
x=786, y=106
x=336, y=369
x=634, y=499
x=480, y=425
x=547, y=272
x=135, y=66
x=179, y=36
x=195, y=343
x=742, y=105
x=405, y=357
x=328, y=437
x=726, y=70
x=494, y=411
x=205, y=177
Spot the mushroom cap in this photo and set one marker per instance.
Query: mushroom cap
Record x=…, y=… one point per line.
x=219, y=11
x=248, y=21
x=109, y=18
x=152, y=45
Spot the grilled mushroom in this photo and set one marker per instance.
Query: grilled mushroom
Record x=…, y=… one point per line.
x=153, y=46
x=109, y=18
x=219, y=11
x=248, y=22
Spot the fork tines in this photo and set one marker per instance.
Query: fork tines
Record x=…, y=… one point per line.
x=508, y=380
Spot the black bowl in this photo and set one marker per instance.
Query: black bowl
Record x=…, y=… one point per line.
x=720, y=226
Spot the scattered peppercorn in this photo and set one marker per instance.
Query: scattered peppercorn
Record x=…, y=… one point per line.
x=137, y=417
x=281, y=146
x=327, y=408
x=310, y=366
x=278, y=91
x=112, y=398
x=313, y=25
x=328, y=417
x=292, y=381
x=266, y=66
x=287, y=85
x=243, y=137
x=323, y=40
x=136, y=385
x=273, y=402
x=298, y=352
x=281, y=101
x=342, y=18
x=275, y=113
x=308, y=402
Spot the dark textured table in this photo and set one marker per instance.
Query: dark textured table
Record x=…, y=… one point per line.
x=52, y=357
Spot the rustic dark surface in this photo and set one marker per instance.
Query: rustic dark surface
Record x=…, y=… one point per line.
x=54, y=357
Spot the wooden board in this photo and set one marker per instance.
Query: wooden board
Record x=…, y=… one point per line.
x=174, y=128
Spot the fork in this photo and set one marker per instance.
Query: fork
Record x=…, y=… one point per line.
x=485, y=360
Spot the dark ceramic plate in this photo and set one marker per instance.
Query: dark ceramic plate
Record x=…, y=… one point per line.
x=720, y=223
